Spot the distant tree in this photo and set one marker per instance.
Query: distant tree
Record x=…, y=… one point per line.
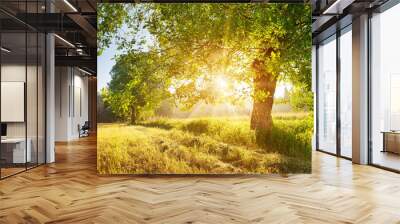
x=283, y=99
x=166, y=108
x=104, y=113
x=137, y=86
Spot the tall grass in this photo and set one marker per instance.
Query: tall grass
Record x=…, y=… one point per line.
x=205, y=145
x=291, y=133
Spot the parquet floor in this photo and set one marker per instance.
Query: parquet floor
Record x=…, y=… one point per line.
x=69, y=191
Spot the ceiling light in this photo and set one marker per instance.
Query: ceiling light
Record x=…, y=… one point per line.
x=65, y=41
x=79, y=51
x=70, y=5
x=5, y=50
x=84, y=71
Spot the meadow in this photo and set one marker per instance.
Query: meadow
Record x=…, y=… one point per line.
x=210, y=145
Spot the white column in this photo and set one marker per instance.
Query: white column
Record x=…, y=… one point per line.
x=50, y=99
x=360, y=90
x=63, y=77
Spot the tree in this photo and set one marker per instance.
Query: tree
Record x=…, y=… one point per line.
x=256, y=43
x=137, y=86
x=110, y=17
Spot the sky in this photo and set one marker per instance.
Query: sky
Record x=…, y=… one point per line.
x=105, y=62
x=280, y=89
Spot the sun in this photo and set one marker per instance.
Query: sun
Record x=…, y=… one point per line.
x=221, y=83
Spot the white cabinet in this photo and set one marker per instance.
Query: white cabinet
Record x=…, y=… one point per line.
x=19, y=155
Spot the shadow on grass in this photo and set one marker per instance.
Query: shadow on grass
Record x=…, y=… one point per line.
x=162, y=123
x=291, y=137
x=285, y=140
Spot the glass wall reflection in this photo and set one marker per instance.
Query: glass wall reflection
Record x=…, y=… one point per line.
x=32, y=98
x=385, y=89
x=22, y=88
x=346, y=93
x=15, y=152
x=327, y=95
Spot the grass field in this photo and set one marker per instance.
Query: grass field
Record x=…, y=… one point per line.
x=205, y=146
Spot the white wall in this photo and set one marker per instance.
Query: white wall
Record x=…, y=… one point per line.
x=33, y=126
x=62, y=81
x=327, y=96
x=80, y=109
x=16, y=73
x=346, y=94
x=71, y=102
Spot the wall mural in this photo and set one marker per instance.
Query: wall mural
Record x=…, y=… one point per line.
x=204, y=88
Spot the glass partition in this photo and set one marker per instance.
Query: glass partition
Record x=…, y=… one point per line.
x=32, y=98
x=346, y=92
x=327, y=95
x=22, y=78
x=385, y=89
x=13, y=94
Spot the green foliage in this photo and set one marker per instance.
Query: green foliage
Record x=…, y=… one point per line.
x=110, y=18
x=302, y=99
x=201, y=40
x=137, y=86
x=290, y=137
x=191, y=146
x=278, y=35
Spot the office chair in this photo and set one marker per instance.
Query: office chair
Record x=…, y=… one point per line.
x=84, y=130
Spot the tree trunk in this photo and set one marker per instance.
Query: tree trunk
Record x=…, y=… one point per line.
x=133, y=115
x=265, y=83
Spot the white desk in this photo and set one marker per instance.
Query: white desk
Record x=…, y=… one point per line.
x=18, y=155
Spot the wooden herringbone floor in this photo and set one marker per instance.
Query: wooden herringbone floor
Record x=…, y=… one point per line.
x=69, y=191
